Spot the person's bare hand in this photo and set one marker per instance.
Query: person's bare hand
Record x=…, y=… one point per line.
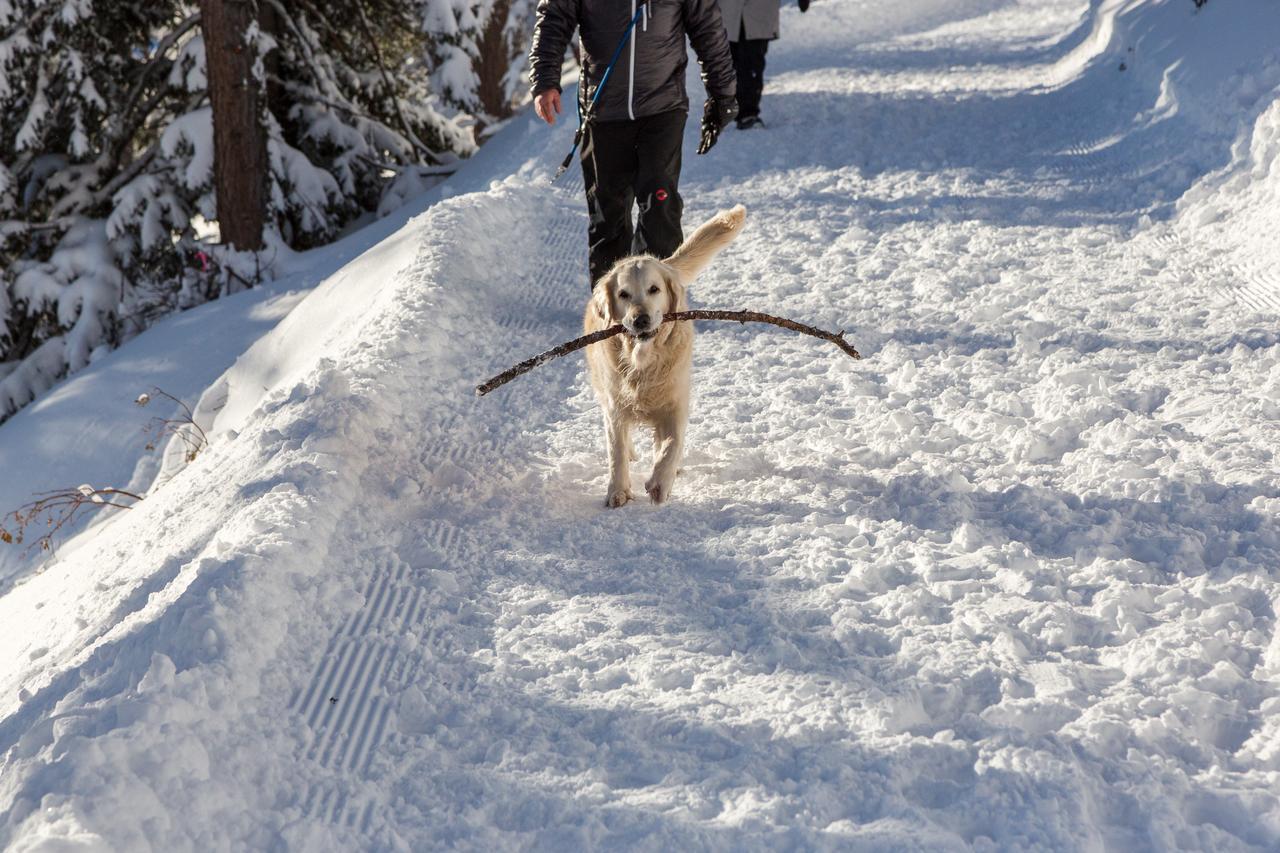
x=547, y=105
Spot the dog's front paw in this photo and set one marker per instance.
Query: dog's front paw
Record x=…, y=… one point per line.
x=617, y=497
x=659, y=488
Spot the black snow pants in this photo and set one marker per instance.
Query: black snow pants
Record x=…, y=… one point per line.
x=748, y=61
x=627, y=163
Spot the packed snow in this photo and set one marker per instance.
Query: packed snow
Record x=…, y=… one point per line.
x=1008, y=583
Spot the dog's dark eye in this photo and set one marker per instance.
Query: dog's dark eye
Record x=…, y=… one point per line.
x=653, y=289
x=624, y=295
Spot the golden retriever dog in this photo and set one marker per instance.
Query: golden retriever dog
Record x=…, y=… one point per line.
x=642, y=375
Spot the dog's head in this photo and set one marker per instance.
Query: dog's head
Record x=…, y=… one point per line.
x=638, y=293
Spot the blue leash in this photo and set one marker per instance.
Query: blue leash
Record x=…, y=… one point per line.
x=583, y=119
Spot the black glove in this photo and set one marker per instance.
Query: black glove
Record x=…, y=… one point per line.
x=716, y=115
x=804, y=5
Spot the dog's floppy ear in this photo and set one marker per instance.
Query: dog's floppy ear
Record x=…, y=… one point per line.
x=706, y=242
x=675, y=291
x=602, y=299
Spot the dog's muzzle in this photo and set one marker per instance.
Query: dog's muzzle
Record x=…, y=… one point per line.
x=643, y=328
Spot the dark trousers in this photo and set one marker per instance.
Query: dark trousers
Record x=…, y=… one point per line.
x=748, y=61
x=627, y=163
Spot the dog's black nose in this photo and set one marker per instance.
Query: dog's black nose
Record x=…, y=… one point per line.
x=641, y=321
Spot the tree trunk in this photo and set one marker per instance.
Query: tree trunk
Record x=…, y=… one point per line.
x=494, y=62
x=239, y=139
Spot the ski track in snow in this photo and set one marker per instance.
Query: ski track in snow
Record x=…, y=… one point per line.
x=1009, y=583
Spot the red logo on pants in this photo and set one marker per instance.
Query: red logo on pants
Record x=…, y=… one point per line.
x=660, y=195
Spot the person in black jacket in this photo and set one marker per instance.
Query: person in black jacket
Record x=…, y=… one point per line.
x=631, y=146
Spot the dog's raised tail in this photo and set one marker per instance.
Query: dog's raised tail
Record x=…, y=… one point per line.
x=706, y=242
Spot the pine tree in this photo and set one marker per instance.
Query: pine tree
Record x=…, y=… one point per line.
x=478, y=53
x=107, y=180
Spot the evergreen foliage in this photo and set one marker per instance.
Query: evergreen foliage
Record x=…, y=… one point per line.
x=106, y=150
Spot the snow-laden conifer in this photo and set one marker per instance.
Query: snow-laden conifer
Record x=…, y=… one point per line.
x=107, y=207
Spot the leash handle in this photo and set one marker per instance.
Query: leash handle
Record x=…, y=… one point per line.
x=584, y=118
x=568, y=160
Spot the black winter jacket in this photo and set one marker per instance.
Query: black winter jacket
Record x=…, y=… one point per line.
x=649, y=76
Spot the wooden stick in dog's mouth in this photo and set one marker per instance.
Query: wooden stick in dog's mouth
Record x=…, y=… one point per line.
x=528, y=364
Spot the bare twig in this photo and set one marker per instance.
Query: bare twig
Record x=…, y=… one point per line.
x=528, y=364
x=57, y=509
x=184, y=426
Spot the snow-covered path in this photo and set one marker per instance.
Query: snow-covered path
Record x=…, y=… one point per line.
x=1008, y=583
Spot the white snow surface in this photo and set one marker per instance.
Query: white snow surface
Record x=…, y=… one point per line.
x=1008, y=583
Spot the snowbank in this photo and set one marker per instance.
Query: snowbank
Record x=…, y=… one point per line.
x=88, y=429
x=1232, y=217
x=218, y=580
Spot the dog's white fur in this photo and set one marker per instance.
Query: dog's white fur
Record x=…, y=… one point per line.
x=642, y=375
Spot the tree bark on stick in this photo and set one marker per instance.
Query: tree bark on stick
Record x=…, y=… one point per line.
x=576, y=344
x=239, y=138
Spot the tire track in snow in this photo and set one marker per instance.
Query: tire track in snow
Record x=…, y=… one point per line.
x=347, y=701
x=1261, y=288
x=1109, y=165
x=1246, y=285
x=345, y=705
